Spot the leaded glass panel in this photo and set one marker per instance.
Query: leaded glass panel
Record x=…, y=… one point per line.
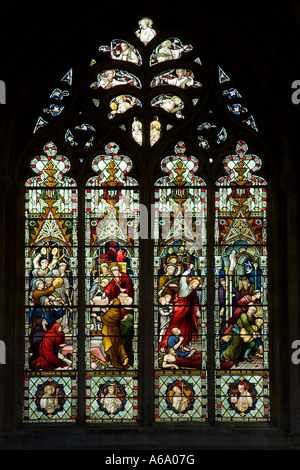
x=180, y=302
x=241, y=313
x=50, y=290
x=112, y=289
x=144, y=89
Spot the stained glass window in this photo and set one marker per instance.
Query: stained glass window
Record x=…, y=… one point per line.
x=112, y=262
x=51, y=290
x=241, y=315
x=180, y=290
x=146, y=93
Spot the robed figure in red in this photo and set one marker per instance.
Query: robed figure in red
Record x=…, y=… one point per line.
x=121, y=283
x=186, y=310
x=242, y=306
x=48, y=358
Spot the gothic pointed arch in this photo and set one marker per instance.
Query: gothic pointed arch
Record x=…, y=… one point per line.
x=146, y=120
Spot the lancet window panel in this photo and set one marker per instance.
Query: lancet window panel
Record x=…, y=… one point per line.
x=241, y=281
x=112, y=289
x=180, y=302
x=51, y=290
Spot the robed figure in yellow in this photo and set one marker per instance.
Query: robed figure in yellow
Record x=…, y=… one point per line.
x=116, y=355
